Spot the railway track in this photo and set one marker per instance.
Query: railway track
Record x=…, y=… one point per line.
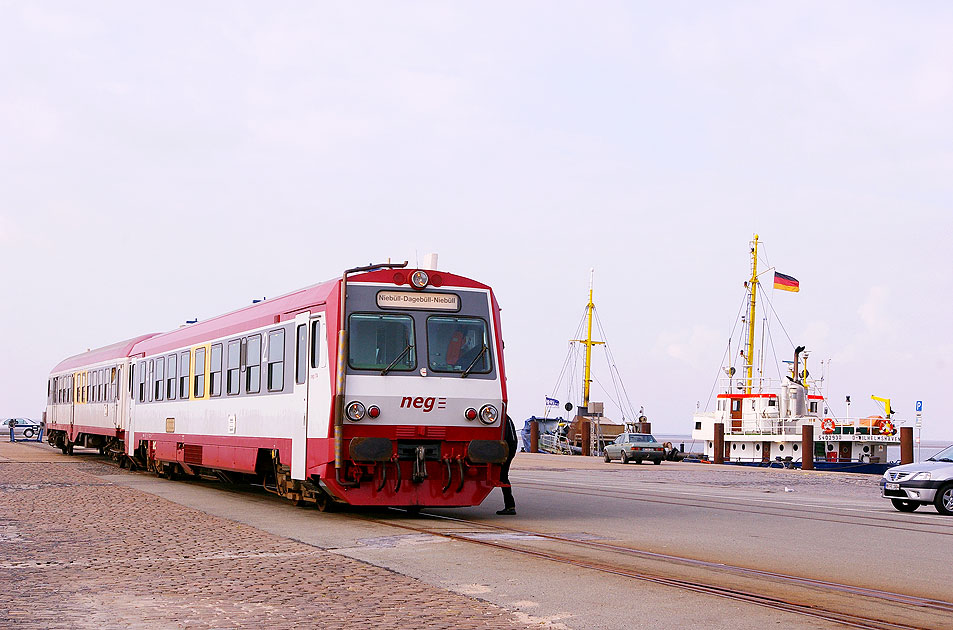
x=942, y=526
x=844, y=604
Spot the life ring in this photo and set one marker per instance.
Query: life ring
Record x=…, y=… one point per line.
x=886, y=427
x=827, y=425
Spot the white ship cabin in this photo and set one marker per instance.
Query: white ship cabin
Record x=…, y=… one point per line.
x=761, y=427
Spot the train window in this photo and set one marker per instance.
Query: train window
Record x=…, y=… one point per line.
x=198, y=369
x=253, y=364
x=381, y=341
x=152, y=379
x=92, y=387
x=276, y=360
x=215, y=370
x=315, y=343
x=142, y=381
x=457, y=344
x=233, y=381
x=159, y=381
x=101, y=385
x=184, y=375
x=85, y=387
x=301, y=362
x=170, y=378
x=113, y=384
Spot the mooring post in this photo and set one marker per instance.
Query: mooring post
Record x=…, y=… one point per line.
x=586, y=431
x=807, y=447
x=906, y=445
x=718, y=456
x=534, y=436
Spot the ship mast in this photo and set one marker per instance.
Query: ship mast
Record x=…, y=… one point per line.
x=753, y=285
x=587, y=379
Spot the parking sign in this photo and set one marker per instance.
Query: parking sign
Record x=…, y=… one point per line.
x=919, y=405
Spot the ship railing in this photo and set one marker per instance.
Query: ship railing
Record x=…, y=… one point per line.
x=764, y=385
x=871, y=425
x=556, y=444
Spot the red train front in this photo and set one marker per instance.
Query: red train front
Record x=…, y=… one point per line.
x=394, y=395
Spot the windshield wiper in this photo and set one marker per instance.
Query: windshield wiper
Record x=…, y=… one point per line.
x=395, y=361
x=466, y=372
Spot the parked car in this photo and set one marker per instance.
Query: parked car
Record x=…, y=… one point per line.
x=24, y=429
x=911, y=485
x=634, y=446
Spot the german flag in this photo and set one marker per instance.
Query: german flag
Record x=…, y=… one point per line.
x=786, y=283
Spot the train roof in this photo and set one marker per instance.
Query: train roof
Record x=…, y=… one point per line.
x=257, y=315
x=263, y=313
x=117, y=350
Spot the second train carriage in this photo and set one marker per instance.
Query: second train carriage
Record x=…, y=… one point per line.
x=393, y=396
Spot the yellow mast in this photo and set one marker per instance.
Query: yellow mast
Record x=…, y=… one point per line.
x=749, y=356
x=589, y=343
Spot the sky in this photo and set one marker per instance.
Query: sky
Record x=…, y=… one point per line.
x=161, y=162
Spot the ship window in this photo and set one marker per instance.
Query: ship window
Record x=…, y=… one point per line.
x=232, y=376
x=780, y=447
x=814, y=407
x=276, y=360
x=198, y=377
x=184, y=374
x=253, y=364
x=772, y=402
x=215, y=370
x=457, y=343
x=698, y=426
x=752, y=405
x=795, y=447
x=376, y=341
x=736, y=405
x=742, y=447
x=757, y=447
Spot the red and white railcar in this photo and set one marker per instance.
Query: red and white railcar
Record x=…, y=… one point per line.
x=392, y=396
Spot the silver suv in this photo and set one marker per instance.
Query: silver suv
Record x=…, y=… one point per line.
x=911, y=485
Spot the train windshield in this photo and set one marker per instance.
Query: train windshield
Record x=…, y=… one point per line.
x=379, y=342
x=458, y=344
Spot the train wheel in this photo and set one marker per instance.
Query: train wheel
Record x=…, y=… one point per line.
x=323, y=502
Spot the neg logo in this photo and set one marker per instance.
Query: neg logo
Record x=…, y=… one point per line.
x=427, y=404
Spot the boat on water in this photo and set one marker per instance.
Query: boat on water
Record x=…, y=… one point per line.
x=586, y=429
x=759, y=420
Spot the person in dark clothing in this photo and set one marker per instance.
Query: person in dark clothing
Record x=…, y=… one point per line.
x=509, y=436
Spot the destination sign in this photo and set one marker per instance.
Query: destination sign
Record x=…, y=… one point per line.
x=423, y=301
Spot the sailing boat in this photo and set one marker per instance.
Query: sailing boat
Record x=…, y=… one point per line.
x=569, y=436
x=759, y=420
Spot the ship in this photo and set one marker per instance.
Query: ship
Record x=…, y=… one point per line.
x=760, y=419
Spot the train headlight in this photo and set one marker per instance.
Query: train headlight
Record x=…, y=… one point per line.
x=470, y=414
x=355, y=411
x=488, y=414
x=373, y=411
x=419, y=279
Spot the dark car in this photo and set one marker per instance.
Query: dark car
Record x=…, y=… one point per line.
x=634, y=446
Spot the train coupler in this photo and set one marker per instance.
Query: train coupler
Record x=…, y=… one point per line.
x=420, y=464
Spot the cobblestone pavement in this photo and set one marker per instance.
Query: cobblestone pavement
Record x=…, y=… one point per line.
x=79, y=552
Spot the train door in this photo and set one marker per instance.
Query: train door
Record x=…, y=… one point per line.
x=311, y=366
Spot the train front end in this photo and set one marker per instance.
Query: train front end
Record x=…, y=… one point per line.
x=420, y=391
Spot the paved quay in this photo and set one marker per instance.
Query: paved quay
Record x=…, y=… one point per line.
x=77, y=551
